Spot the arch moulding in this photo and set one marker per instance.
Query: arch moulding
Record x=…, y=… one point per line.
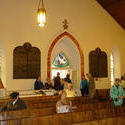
x=56, y=40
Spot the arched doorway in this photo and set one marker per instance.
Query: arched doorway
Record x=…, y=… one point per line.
x=76, y=44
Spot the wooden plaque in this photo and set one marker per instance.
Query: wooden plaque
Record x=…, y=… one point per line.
x=26, y=62
x=98, y=63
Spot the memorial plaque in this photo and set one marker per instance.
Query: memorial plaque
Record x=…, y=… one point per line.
x=98, y=63
x=26, y=62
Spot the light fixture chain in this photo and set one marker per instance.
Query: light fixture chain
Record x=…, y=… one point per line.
x=41, y=1
x=42, y=4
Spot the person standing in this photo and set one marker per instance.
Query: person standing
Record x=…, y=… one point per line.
x=57, y=82
x=38, y=84
x=92, y=90
x=84, y=86
x=117, y=93
x=67, y=79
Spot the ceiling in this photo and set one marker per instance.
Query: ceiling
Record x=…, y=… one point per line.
x=116, y=8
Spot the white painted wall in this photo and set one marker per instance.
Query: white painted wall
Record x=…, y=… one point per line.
x=89, y=23
x=3, y=63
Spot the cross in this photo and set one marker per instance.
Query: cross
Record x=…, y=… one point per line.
x=65, y=24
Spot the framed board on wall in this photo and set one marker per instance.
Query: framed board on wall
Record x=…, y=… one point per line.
x=26, y=62
x=98, y=63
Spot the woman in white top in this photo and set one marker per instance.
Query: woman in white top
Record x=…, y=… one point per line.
x=63, y=105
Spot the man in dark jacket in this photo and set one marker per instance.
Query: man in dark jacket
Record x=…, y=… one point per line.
x=38, y=84
x=57, y=82
x=67, y=79
x=14, y=103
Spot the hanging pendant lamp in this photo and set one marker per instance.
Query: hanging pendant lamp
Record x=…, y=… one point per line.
x=41, y=14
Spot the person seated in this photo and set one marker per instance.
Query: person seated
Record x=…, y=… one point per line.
x=63, y=105
x=84, y=86
x=38, y=84
x=48, y=85
x=14, y=103
x=67, y=79
x=70, y=91
x=117, y=93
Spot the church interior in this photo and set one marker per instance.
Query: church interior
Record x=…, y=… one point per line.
x=62, y=62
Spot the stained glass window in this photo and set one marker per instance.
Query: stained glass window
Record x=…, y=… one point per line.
x=60, y=61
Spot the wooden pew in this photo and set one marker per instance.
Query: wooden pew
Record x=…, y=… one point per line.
x=65, y=119
x=40, y=111
x=52, y=110
x=103, y=94
x=50, y=101
x=47, y=117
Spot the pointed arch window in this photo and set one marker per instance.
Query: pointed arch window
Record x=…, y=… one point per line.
x=60, y=61
x=112, y=68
